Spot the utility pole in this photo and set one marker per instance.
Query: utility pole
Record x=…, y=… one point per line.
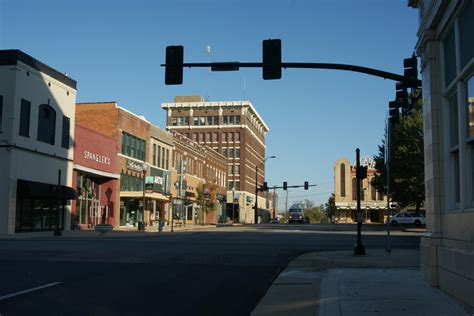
x=387, y=166
x=286, y=207
x=274, y=201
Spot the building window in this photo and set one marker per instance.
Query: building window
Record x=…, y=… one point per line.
x=454, y=147
x=231, y=152
x=230, y=185
x=354, y=188
x=224, y=152
x=470, y=129
x=237, y=185
x=25, y=118
x=230, y=169
x=154, y=155
x=237, y=170
x=174, y=121
x=466, y=27
x=208, y=137
x=130, y=183
x=215, y=137
x=224, y=137
x=237, y=136
x=373, y=195
x=158, y=163
x=343, y=179
x=195, y=137
x=167, y=159
x=46, y=124
x=231, y=137
x=237, y=153
x=231, y=119
x=163, y=157
x=133, y=146
x=1, y=112
x=65, y=135
x=449, y=58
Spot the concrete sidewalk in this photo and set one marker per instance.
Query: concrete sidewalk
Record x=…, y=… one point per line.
x=338, y=283
x=121, y=232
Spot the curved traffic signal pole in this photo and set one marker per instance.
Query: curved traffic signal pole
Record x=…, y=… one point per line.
x=235, y=66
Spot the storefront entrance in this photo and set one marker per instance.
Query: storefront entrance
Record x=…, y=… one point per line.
x=89, y=212
x=129, y=208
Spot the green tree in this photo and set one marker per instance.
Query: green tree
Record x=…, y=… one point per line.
x=314, y=214
x=331, y=206
x=406, y=161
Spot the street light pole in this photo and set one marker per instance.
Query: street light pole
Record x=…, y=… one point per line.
x=141, y=224
x=256, y=188
x=233, y=205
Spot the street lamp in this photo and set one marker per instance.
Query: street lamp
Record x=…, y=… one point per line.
x=256, y=188
x=141, y=224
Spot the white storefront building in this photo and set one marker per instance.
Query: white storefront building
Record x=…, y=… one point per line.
x=36, y=127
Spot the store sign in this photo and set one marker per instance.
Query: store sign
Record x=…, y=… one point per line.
x=161, y=180
x=96, y=157
x=135, y=166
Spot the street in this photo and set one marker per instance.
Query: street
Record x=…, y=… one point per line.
x=219, y=271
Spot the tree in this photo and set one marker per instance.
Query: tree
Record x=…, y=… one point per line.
x=406, y=160
x=331, y=206
x=314, y=214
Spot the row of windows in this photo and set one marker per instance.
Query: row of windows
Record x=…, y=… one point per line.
x=233, y=185
x=133, y=146
x=161, y=157
x=233, y=169
x=214, y=137
x=458, y=50
x=130, y=183
x=46, y=132
x=206, y=120
x=231, y=152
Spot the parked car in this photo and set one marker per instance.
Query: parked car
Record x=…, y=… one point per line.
x=408, y=218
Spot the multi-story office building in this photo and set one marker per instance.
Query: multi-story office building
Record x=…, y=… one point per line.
x=36, y=147
x=135, y=140
x=373, y=203
x=446, y=48
x=197, y=171
x=234, y=129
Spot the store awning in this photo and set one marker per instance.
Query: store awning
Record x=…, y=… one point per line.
x=46, y=191
x=139, y=195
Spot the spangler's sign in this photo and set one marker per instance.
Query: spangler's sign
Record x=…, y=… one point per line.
x=96, y=157
x=135, y=166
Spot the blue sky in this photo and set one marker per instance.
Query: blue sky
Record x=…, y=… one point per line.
x=114, y=50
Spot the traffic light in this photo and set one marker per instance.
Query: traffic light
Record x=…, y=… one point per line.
x=265, y=186
x=411, y=71
x=271, y=59
x=174, y=65
x=401, y=95
x=361, y=172
x=393, y=116
x=285, y=185
x=306, y=185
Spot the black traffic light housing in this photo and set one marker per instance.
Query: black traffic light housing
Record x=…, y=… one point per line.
x=361, y=172
x=411, y=71
x=174, y=65
x=393, y=116
x=306, y=185
x=285, y=185
x=271, y=59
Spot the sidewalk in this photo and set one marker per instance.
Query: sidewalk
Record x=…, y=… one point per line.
x=123, y=232
x=338, y=283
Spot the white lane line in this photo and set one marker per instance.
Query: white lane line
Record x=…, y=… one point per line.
x=29, y=290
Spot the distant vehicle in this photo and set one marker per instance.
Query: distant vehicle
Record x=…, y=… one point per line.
x=274, y=221
x=408, y=218
x=296, y=215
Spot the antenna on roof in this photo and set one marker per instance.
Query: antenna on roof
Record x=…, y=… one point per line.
x=208, y=54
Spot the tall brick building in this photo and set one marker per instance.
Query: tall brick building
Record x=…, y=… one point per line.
x=234, y=129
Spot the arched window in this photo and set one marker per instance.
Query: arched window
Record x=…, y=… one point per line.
x=46, y=124
x=354, y=189
x=343, y=180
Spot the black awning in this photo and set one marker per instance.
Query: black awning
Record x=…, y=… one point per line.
x=40, y=190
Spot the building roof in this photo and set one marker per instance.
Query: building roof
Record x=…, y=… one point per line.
x=13, y=56
x=216, y=104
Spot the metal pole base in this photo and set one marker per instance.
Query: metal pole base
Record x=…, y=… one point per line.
x=359, y=249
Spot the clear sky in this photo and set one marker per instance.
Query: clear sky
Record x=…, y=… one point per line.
x=114, y=48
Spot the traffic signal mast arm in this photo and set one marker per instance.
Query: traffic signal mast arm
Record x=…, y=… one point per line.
x=292, y=186
x=234, y=66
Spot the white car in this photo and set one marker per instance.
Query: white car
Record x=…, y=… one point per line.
x=408, y=218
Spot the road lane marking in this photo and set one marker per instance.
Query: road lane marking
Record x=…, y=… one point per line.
x=29, y=290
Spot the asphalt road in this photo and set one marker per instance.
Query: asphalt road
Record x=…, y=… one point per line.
x=223, y=271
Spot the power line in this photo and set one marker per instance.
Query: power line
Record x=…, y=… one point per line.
x=300, y=196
